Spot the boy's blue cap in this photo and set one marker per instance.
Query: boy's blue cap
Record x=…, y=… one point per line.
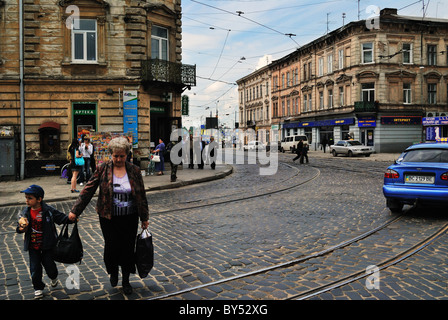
x=35, y=189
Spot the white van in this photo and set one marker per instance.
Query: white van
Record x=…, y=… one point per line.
x=290, y=143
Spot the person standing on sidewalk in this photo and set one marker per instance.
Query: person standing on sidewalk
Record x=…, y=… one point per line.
x=121, y=202
x=74, y=150
x=37, y=222
x=86, y=150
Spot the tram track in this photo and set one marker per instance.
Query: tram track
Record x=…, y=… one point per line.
x=307, y=294
x=381, y=266
x=293, y=183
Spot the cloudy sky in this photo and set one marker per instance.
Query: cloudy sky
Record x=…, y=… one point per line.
x=229, y=39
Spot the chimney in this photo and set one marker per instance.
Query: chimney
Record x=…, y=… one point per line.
x=388, y=11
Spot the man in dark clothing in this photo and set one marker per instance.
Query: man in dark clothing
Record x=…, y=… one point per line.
x=299, y=150
x=304, y=154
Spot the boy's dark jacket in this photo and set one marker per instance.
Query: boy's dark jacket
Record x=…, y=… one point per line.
x=50, y=216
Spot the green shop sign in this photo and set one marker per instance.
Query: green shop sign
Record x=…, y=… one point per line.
x=84, y=112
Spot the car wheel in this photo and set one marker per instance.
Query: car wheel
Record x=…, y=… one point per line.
x=350, y=154
x=394, y=205
x=368, y=155
x=334, y=153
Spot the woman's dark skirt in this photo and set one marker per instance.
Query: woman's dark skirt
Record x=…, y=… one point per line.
x=119, y=242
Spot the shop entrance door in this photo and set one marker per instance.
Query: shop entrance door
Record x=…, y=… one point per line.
x=368, y=137
x=84, y=118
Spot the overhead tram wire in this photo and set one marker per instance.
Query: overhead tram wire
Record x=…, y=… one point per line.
x=220, y=55
x=240, y=14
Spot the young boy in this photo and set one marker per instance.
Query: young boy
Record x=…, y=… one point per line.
x=37, y=222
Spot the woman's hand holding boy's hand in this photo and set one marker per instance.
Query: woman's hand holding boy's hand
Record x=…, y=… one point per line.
x=72, y=217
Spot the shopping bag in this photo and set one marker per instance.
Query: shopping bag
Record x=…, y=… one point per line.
x=68, y=249
x=144, y=253
x=155, y=158
x=79, y=161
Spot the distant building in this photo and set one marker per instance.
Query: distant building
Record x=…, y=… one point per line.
x=81, y=59
x=384, y=84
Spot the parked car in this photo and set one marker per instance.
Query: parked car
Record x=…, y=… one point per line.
x=290, y=143
x=351, y=148
x=254, y=145
x=419, y=175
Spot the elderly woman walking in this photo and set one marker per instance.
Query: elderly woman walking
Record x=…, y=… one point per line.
x=121, y=202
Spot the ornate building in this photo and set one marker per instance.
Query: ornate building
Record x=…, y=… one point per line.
x=385, y=85
x=81, y=61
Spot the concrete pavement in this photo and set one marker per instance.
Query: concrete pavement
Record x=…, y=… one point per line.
x=57, y=189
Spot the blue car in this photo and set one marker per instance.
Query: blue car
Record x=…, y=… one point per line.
x=420, y=175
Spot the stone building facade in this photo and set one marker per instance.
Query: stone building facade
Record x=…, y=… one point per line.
x=385, y=85
x=81, y=59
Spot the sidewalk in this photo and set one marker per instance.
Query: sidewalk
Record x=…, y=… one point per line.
x=57, y=189
x=386, y=157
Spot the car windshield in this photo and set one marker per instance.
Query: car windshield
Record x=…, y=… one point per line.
x=426, y=155
x=354, y=143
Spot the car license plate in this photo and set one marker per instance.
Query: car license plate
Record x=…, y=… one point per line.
x=419, y=179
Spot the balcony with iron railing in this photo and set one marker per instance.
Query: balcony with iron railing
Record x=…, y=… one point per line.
x=162, y=72
x=366, y=106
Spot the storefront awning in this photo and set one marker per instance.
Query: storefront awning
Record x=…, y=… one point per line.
x=50, y=124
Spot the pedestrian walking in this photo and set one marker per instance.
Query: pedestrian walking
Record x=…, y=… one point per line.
x=304, y=154
x=299, y=150
x=121, y=202
x=212, y=151
x=324, y=143
x=171, y=156
x=37, y=221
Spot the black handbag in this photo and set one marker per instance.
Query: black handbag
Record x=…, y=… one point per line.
x=144, y=253
x=68, y=249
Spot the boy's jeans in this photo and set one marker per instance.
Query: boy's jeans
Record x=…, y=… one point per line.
x=39, y=258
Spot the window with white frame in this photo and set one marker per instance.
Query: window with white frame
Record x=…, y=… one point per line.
x=368, y=91
x=321, y=100
x=321, y=67
x=341, y=58
x=367, y=52
x=330, y=63
x=305, y=103
x=330, y=98
x=407, y=53
x=159, y=43
x=341, y=96
x=84, y=41
x=310, y=102
x=407, y=98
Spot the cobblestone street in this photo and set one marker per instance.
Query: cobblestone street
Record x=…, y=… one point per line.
x=209, y=232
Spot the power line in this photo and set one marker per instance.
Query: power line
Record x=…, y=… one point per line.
x=222, y=50
x=240, y=14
